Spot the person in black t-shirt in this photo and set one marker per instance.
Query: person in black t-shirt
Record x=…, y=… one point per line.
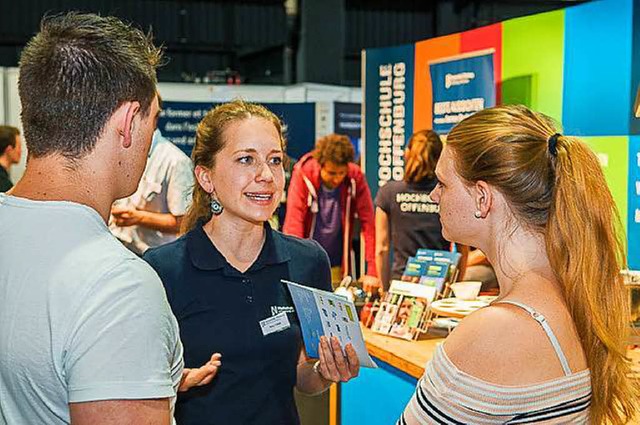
x=406, y=218
x=10, y=152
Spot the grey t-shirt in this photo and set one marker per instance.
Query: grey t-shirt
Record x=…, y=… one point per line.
x=414, y=220
x=81, y=317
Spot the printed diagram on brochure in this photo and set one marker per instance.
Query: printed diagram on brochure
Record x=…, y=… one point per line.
x=325, y=313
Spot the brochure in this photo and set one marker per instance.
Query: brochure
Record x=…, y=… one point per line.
x=402, y=312
x=325, y=313
x=427, y=271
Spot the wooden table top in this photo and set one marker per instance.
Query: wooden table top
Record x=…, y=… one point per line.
x=407, y=356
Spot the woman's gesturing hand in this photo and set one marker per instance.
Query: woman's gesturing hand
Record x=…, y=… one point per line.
x=203, y=375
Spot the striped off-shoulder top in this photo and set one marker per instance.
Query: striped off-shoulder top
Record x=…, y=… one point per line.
x=447, y=395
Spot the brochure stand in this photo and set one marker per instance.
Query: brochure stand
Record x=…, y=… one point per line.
x=405, y=312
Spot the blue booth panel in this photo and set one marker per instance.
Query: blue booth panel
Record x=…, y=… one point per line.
x=597, y=68
x=377, y=396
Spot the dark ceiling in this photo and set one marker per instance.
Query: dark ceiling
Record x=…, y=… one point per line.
x=269, y=41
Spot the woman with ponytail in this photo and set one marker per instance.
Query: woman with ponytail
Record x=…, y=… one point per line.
x=223, y=279
x=552, y=347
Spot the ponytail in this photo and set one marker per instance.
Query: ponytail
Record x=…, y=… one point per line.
x=199, y=209
x=585, y=248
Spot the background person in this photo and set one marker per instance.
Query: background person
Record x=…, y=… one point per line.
x=326, y=193
x=537, y=204
x=153, y=214
x=86, y=333
x=223, y=278
x=406, y=217
x=10, y=152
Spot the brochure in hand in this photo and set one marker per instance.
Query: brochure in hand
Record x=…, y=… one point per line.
x=325, y=313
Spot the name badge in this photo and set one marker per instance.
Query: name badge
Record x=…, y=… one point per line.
x=276, y=323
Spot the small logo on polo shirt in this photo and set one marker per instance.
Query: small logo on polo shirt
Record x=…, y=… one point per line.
x=277, y=309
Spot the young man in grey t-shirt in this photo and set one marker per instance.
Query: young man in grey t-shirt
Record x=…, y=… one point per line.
x=86, y=334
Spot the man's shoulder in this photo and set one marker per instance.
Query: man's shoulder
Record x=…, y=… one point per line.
x=168, y=151
x=307, y=165
x=355, y=173
x=106, y=259
x=354, y=169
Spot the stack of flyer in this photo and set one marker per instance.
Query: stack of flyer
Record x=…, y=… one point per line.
x=432, y=268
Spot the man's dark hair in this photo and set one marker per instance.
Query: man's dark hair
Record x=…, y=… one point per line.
x=335, y=148
x=75, y=73
x=8, y=136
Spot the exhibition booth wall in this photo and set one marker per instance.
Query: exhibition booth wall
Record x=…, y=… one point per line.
x=308, y=111
x=577, y=65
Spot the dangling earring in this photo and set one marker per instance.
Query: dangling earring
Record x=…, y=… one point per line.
x=216, y=206
x=477, y=214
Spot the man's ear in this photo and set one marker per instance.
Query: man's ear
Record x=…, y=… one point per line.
x=128, y=112
x=483, y=198
x=203, y=175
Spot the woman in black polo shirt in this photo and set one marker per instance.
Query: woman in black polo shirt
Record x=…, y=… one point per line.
x=223, y=279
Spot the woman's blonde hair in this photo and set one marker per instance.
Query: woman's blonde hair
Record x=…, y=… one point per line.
x=555, y=186
x=210, y=141
x=423, y=151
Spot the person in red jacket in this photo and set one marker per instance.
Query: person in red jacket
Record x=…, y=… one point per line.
x=326, y=192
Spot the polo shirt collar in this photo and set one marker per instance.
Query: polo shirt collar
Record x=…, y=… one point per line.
x=205, y=256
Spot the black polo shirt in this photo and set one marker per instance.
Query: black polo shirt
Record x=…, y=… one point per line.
x=219, y=309
x=5, y=182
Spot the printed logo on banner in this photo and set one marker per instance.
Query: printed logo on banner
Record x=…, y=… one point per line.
x=461, y=86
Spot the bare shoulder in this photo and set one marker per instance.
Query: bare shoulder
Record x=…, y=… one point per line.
x=504, y=345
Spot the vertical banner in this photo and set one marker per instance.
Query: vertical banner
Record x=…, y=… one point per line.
x=178, y=122
x=388, y=90
x=461, y=85
x=633, y=204
x=347, y=120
